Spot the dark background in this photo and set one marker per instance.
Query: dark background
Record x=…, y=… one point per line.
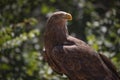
x=22, y=23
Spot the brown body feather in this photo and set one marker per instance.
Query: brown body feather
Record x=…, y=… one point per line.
x=73, y=57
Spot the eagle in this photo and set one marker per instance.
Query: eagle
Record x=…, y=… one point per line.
x=71, y=56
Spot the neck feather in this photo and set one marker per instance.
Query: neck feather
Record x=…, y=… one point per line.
x=55, y=34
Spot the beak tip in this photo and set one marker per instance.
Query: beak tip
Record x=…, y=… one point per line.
x=69, y=16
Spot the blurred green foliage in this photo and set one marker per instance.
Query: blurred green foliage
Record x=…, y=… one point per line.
x=21, y=33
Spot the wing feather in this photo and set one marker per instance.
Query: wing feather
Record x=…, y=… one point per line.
x=109, y=65
x=79, y=59
x=76, y=62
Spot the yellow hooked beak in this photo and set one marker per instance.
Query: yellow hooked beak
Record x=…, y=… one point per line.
x=68, y=16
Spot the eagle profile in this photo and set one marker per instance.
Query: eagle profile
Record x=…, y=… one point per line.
x=71, y=56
